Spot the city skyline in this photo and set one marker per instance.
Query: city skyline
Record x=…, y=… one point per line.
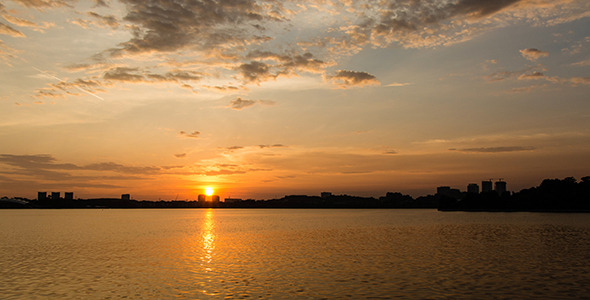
x=259, y=99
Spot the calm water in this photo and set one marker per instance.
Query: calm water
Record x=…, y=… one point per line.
x=199, y=253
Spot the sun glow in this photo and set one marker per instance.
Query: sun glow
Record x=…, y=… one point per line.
x=209, y=191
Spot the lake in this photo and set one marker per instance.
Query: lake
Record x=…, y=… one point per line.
x=292, y=253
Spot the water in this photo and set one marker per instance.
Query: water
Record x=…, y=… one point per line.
x=232, y=253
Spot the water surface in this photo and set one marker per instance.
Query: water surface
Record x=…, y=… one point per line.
x=290, y=253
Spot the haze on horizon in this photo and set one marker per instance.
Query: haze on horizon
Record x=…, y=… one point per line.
x=259, y=99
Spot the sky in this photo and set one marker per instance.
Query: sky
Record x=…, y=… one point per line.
x=259, y=99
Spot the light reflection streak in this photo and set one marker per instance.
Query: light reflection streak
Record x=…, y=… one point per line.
x=208, y=240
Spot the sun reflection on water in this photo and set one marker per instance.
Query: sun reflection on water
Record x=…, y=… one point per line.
x=208, y=240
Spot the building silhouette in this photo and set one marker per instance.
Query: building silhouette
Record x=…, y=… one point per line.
x=473, y=188
x=201, y=198
x=215, y=199
x=41, y=196
x=326, y=194
x=68, y=196
x=500, y=187
x=486, y=186
x=55, y=195
x=232, y=200
x=125, y=197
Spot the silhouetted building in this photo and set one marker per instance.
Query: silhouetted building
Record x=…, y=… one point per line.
x=500, y=187
x=125, y=197
x=232, y=200
x=55, y=195
x=473, y=188
x=443, y=190
x=486, y=186
x=69, y=196
x=41, y=196
x=447, y=191
x=202, y=198
x=215, y=199
x=326, y=194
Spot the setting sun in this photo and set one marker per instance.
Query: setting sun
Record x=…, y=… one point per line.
x=209, y=191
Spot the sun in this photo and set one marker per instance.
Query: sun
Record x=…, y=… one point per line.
x=209, y=191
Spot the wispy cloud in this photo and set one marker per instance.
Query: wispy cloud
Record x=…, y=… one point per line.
x=240, y=103
x=194, y=134
x=395, y=84
x=495, y=149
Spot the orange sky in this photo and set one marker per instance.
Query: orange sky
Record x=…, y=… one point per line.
x=259, y=99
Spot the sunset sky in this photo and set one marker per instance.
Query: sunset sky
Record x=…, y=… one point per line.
x=259, y=99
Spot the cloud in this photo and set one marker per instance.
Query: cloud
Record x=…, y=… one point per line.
x=240, y=103
x=583, y=63
x=43, y=163
x=44, y=3
x=234, y=148
x=103, y=3
x=255, y=72
x=173, y=25
x=7, y=30
x=180, y=155
x=533, y=54
x=126, y=74
x=533, y=75
x=110, y=21
x=271, y=146
x=194, y=134
x=346, y=79
x=496, y=149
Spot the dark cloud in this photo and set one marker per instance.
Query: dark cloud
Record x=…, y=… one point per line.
x=480, y=8
x=194, y=134
x=289, y=63
x=496, y=149
x=533, y=54
x=124, y=74
x=255, y=72
x=345, y=79
x=137, y=75
x=173, y=25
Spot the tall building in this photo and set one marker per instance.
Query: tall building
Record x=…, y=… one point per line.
x=55, y=195
x=69, y=196
x=125, y=197
x=41, y=196
x=486, y=186
x=215, y=199
x=473, y=188
x=500, y=187
x=202, y=198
